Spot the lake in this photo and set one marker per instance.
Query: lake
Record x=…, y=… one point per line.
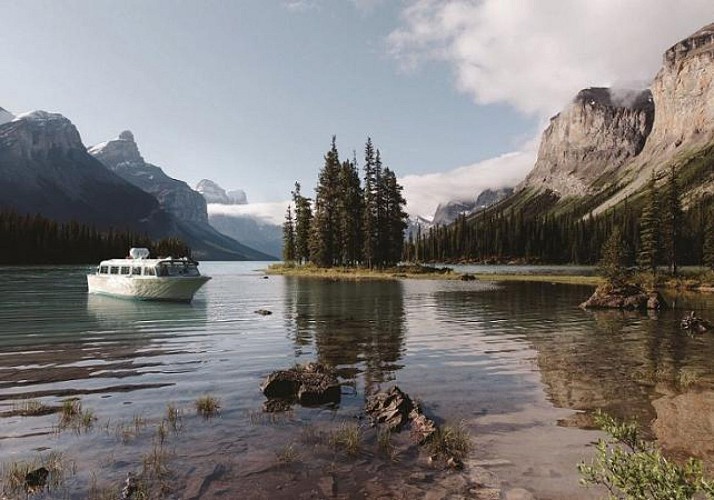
x=519, y=364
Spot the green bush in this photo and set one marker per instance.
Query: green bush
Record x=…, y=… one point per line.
x=630, y=467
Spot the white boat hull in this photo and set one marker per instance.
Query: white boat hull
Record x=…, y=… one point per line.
x=171, y=288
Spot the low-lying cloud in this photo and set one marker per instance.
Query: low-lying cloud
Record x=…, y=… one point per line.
x=267, y=213
x=425, y=192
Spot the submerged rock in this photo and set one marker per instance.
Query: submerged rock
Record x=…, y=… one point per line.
x=311, y=384
x=627, y=297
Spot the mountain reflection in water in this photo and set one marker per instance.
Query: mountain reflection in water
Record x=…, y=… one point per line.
x=518, y=363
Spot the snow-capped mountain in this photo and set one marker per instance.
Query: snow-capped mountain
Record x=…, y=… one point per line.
x=213, y=193
x=447, y=213
x=45, y=169
x=188, y=207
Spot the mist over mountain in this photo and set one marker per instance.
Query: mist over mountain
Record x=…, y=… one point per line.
x=226, y=213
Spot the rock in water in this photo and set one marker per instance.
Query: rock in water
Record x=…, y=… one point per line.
x=391, y=408
x=311, y=384
x=628, y=297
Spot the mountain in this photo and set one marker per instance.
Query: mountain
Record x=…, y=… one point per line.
x=594, y=164
x=213, y=193
x=447, y=213
x=45, y=169
x=601, y=150
x=257, y=232
x=188, y=207
x=253, y=231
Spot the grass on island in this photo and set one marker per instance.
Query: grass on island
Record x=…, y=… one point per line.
x=417, y=271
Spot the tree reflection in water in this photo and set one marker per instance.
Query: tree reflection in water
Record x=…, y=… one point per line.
x=355, y=326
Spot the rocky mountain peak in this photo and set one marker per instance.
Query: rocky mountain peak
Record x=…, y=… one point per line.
x=213, y=193
x=126, y=135
x=5, y=116
x=37, y=132
x=701, y=42
x=597, y=133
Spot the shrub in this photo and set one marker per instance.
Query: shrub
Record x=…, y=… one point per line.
x=630, y=467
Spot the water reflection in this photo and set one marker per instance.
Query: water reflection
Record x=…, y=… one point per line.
x=356, y=326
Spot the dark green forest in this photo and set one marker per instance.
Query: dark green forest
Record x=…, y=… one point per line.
x=350, y=223
x=33, y=239
x=535, y=228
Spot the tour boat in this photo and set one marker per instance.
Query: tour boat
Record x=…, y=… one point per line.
x=139, y=277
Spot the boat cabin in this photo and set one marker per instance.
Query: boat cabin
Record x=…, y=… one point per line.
x=148, y=267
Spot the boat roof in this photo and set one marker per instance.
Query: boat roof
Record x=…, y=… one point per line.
x=128, y=261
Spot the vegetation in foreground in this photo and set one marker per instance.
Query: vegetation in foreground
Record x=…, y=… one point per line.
x=630, y=467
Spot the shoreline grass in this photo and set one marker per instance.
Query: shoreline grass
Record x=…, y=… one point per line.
x=421, y=272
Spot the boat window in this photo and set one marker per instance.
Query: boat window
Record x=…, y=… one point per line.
x=125, y=269
x=149, y=271
x=136, y=270
x=104, y=270
x=114, y=270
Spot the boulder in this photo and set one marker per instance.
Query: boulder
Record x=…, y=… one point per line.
x=310, y=384
x=392, y=408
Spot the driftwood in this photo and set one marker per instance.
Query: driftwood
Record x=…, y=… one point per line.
x=694, y=324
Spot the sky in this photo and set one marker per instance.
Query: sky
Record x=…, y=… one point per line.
x=248, y=93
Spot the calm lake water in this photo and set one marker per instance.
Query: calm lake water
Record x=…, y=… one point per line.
x=518, y=363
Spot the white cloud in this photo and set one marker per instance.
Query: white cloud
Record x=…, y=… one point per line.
x=425, y=192
x=537, y=54
x=301, y=5
x=269, y=213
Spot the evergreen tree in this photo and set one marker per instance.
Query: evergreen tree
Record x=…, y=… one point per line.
x=325, y=227
x=672, y=221
x=650, y=223
x=395, y=218
x=614, y=258
x=289, y=237
x=708, y=250
x=350, y=214
x=369, y=214
x=303, y=223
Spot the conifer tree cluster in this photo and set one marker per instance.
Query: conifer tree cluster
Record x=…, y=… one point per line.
x=33, y=239
x=654, y=229
x=350, y=223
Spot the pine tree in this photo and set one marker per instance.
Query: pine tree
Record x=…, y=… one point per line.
x=350, y=214
x=325, y=227
x=614, y=258
x=303, y=224
x=650, y=250
x=369, y=214
x=394, y=217
x=672, y=221
x=708, y=249
x=289, y=237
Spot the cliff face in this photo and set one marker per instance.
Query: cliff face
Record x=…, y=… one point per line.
x=597, y=133
x=683, y=92
x=45, y=168
x=122, y=156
